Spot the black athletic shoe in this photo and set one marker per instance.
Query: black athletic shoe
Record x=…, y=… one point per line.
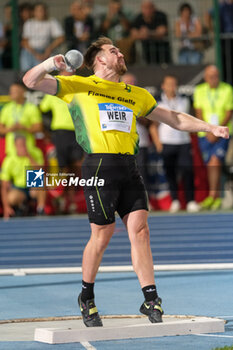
x=153, y=310
x=89, y=313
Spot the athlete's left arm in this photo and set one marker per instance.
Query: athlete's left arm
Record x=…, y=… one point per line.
x=186, y=122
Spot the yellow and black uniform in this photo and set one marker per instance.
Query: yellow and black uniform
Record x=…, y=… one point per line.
x=104, y=114
x=63, y=135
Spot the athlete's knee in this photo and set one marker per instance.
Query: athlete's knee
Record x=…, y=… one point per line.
x=101, y=243
x=100, y=238
x=141, y=234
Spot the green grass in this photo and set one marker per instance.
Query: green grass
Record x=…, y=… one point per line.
x=225, y=348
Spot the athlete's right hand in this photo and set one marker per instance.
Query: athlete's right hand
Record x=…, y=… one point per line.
x=59, y=62
x=54, y=63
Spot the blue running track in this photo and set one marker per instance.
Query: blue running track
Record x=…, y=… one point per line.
x=59, y=242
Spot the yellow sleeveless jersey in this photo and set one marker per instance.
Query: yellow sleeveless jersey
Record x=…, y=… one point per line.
x=104, y=113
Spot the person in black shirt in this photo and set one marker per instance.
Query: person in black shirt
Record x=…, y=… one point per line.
x=79, y=27
x=151, y=27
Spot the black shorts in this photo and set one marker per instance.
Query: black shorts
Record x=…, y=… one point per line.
x=67, y=148
x=123, y=190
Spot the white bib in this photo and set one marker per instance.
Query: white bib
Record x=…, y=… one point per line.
x=114, y=116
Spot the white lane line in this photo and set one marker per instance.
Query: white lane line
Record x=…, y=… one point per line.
x=87, y=345
x=213, y=335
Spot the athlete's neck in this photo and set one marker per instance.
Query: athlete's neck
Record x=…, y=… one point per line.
x=108, y=75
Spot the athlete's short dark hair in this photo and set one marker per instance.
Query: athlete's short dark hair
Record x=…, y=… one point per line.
x=94, y=49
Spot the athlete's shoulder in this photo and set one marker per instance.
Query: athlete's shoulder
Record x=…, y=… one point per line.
x=139, y=90
x=96, y=80
x=100, y=82
x=71, y=78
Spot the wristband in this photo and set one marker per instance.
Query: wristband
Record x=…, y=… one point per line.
x=49, y=65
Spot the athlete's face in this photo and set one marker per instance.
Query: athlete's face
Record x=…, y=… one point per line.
x=113, y=59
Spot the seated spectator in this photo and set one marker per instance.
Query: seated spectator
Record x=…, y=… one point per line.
x=13, y=179
x=226, y=29
x=68, y=152
x=79, y=27
x=213, y=102
x=41, y=36
x=151, y=28
x=176, y=149
x=19, y=115
x=188, y=28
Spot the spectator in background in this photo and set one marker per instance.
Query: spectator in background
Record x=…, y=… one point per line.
x=13, y=177
x=213, y=101
x=143, y=132
x=69, y=153
x=1, y=43
x=115, y=24
x=176, y=149
x=79, y=26
x=188, y=28
x=96, y=11
x=41, y=36
x=7, y=30
x=151, y=28
x=25, y=13
x=147, y=132
x=20, y=116
x=226, y=27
